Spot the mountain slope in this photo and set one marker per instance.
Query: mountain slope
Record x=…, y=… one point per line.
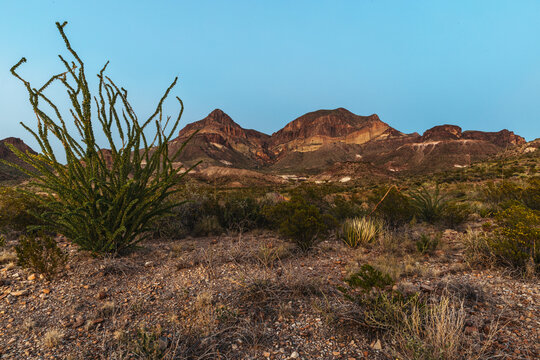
x=8, y=172
x=218, y=140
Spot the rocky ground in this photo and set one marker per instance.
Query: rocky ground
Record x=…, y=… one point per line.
x=243, y=297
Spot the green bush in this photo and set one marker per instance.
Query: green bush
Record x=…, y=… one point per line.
x=105, y=201
x=360, y=231
x=368, y=278
x=241, y=213
x=426, y=244
x=531, y=194
x=17, y=210
x=207, y=225
x=516, y=241
x=429, y=206
x=395, y=209
x=342, y=209
x=455, y=214
x=299, y=221
x=40, y=253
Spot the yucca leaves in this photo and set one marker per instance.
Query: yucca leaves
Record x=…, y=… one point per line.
x=429, y=205
x=103, y=200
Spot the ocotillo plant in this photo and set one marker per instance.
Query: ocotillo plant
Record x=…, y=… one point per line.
x=103, y=200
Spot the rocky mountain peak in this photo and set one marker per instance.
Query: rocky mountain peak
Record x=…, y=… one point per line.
x=442, y=132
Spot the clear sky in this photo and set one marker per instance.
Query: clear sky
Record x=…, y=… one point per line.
x=415, y=63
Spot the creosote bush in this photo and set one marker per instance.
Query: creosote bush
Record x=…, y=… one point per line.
x=104, y=200
x=395, y=209
x=18, y=211
x=517, y=239
x=41, y=254
x=299, y=221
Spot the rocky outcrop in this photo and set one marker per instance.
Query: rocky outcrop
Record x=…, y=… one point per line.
x=8, y=172
x=311, y=131
x=218, y=140
x=502, y=138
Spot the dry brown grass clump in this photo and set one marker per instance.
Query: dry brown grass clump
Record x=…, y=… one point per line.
x=53, y=338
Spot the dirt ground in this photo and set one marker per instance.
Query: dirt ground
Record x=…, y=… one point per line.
x=249, y=296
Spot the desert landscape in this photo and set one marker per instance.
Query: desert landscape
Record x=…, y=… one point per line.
x=334, y=236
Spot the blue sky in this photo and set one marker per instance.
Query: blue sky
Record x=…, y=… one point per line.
x=416, y=64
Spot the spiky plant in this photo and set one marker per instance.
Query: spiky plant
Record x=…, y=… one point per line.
x=360, y=231
x=429, y=205
x=103, y=200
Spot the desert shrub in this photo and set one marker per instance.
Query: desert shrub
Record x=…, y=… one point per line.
x=40, y=253
x=299, y=221
x=426, y=244
x=455, y=214
x=517, y=238
x=477, y=250
x=502, y=194
x=342, y=209
x=434, y=330
x=207, y=225
x=360, y=231
x=417, y=326
x=105, y=201
x=531, y=194
x=368, y=278
x=148, y=343
x=241, y=213
x=18, y=210
x=184, y=217
x=395, y=209
x=429, y=205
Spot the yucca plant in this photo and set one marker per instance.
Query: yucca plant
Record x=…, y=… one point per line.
x=429, y=205
x=360, y=231
x=103, y=200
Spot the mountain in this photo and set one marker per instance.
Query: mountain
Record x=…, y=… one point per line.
x=318, y=140
x=8, y=172
x=439, y=148
x=328, y=143
x=321, y=138
x=218, y=140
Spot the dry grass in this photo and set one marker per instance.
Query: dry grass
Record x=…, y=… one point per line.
x=53, y=337
x=7, y=256
x=476, y=249
x=433, y=333
x=437, y=332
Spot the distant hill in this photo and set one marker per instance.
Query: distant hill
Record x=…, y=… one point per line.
x=8, y=172
x=318, y=140
x=327, y=143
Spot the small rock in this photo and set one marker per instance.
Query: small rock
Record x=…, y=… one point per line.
x=148, y=263
x=336, y=353
x=234, y=347
x=376, y=345
x=294, y=355
x=266, y=354
x=164, y=343
x=31, y=277
x=79, y=321
x=19, y=293
x=46, y=291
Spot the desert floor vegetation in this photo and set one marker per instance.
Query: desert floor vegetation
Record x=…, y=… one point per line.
x=124, y=257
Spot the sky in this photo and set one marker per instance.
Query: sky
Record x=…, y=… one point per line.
x=415, y=63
